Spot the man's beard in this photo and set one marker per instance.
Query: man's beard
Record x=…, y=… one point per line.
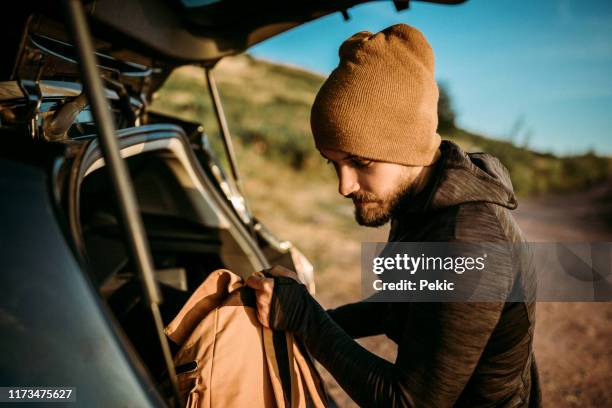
x=383, y=209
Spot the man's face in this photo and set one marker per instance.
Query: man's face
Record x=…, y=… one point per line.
x=375, y=187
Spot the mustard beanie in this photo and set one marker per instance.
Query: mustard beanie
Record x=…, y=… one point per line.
x=381, y=102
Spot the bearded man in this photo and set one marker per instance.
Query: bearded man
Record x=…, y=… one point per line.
x=375, y=120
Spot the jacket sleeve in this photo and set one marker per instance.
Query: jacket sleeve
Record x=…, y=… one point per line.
x=433, y=364
x=360, y=319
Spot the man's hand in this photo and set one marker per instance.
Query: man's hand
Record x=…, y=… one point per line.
x=264, y=288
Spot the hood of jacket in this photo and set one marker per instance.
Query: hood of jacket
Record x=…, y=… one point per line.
x=460, y=177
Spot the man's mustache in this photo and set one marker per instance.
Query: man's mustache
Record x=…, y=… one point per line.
x=362, y=197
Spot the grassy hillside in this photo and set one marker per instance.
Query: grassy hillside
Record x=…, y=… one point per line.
x=268, y=108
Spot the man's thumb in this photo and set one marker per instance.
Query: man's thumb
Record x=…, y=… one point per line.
x=255, y=282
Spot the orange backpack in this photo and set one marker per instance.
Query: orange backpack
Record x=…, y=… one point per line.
x=228, y=359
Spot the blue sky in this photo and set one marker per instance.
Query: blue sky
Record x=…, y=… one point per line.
x=522, y=70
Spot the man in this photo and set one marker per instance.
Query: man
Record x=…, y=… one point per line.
x=375, y=119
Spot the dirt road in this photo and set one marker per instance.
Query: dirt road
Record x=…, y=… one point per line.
x=573, y=341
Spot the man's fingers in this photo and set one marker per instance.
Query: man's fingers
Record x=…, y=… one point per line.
x=255, y=282
x=263, y=296
x=278, y=270
x=263, y=319
x=259, y=283
x=263, y=307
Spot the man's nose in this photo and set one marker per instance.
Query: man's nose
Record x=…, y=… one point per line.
x=347, y=181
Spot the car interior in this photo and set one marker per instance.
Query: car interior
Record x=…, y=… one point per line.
x=186, y=221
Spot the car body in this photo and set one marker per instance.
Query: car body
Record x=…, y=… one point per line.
x=72, y=307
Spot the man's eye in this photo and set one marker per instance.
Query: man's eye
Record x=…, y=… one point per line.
x=359, y=162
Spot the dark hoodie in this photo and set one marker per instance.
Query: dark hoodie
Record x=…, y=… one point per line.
x=465, y=354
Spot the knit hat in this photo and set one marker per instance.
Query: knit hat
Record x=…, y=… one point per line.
x=381, y=102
